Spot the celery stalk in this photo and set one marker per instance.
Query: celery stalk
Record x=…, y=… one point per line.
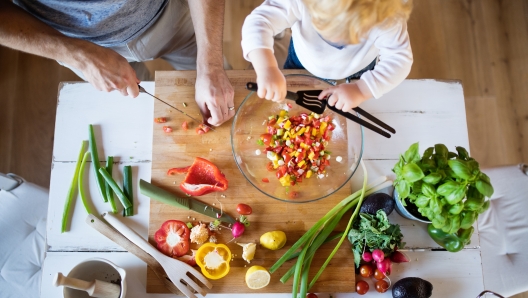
x=95, y=163
x=109, y=193
x=71, y=191
x=81, y=185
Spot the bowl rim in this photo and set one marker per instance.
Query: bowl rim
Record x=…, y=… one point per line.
x=360, y=157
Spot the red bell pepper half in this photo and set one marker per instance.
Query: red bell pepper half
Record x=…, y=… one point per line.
x=202, y=178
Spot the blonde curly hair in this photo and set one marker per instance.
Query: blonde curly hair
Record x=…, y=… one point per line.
x=350, y=20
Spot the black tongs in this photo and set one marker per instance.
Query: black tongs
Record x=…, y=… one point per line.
x=309, y=99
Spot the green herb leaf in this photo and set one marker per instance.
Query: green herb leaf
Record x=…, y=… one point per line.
x=260, y=142
x=460, y=168
x=412, y=154
x=428, y=153
x=484, y=188
x=398, y=166
x=411, y=172
x=462, y=152
x=457, y=208
x=432, y=178
x=453, y=191
x=428, y=190
x=468, y=219
x=422, y=201
x=403, y=188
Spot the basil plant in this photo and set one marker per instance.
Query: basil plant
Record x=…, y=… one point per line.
x=448, y=188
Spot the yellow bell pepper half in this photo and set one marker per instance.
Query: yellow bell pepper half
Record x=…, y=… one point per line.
x=214, y=260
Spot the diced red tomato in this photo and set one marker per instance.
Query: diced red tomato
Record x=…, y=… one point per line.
x=160, y=119
x=293, y=194
x=199, y=131
x=167, y=129
x=185, y=126
x=272, y=121
x=265, y=180
x=269, y=167
x=266, y=138
x=281, y=171
x=289, y=105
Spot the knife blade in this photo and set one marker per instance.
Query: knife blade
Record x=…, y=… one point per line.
x=142, y=90
x=189, y=203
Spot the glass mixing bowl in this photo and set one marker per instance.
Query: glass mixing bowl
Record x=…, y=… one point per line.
x=250, y=122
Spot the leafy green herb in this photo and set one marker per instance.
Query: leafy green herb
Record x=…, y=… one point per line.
x=447, y=187
x=260, y=142
x=374, y=232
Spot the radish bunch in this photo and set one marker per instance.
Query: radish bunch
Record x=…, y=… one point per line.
x=384, y=264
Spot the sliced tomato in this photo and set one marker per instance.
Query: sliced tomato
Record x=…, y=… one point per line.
x=199, y=131
x=266, y=138
x=184, y=125
x=167, y=129
x=160, y=119
x=172, y=238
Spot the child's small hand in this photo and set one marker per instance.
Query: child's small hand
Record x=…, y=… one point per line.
x=344, y=97
x=271, y=84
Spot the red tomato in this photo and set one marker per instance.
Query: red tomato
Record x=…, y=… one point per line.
x=244, y=209
x=366, y=270
x=199, y=131
x=269, y=167
x=205, y=128
x=281, y=171
x=293, y=194
x=173, y=230
x=185, y=126
x=378, y=275
x=265, y=180
x=167, y=129
x=289, y=105
x=160, y=120
x=272, y=121
x=382, y=286
x=362, y=287
x=312, y=295
x=266, y=138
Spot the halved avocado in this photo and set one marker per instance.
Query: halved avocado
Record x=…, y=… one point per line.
x=412, y=287
x=377, y=201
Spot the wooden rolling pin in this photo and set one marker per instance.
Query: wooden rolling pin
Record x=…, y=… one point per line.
x=96, y=288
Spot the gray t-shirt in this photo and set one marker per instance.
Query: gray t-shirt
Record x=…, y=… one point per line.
x=104, y=22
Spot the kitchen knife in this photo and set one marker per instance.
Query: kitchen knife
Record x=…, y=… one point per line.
x=309, y=100
x=142, y=90
x=189, y=203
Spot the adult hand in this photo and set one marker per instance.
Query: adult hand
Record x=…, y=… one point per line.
x=271, y=84
x=106, y=70
x=214, y=96
x=344, y=97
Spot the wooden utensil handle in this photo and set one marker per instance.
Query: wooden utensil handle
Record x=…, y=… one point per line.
x=131, y=235
x=74, y=283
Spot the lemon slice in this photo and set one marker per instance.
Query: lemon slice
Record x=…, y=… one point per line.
x=257, y=277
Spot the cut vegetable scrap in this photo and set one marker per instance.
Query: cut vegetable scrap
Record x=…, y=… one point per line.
x=160, y=119
x=202, y=129
x=248, y=251
x=202, y=177
x=184, y=125
x=189, y=259
x=199, y=234
x=167, y=129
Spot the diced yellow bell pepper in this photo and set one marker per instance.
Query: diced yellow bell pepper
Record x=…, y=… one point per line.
x=287, y=124
x=309, y=174
x=282, y=113
x=301, y=163
x=314, y=132
x=301, y=131
x=285, y=180
x=307, y=129
x=311, y=155
x=304, y=146
x=281, y=119
x=286, y=135
x=322, y=128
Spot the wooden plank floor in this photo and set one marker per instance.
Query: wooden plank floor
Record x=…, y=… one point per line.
x=482, y=43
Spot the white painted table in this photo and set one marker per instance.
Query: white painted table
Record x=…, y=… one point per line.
x=427, y=111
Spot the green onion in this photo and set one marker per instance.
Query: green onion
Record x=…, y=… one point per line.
x=109, y=193
x=128, y=190
x=81, y=185
x=124, y=200
x=71, y=191
x=95, y=163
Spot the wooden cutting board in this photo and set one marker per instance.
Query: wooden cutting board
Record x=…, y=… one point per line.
x=179, y=148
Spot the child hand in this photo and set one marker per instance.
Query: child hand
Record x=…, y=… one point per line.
x=344, y=97
x=271, y=84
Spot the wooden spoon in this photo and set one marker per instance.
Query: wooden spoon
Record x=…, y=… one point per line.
x=96, y=288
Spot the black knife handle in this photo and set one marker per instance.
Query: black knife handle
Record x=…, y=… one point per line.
x=254, y=87
x=374, y=119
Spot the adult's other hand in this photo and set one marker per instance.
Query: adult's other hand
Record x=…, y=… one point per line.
x=214, y=96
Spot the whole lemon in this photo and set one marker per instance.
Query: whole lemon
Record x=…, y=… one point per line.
x=273, y=240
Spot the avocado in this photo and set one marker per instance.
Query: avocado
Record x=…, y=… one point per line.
x=412, y=287
x=377, y=201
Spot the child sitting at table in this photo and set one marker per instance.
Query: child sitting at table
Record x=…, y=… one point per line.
x=332, y=39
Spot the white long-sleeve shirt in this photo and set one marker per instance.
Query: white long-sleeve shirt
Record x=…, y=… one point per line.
x=323, y=60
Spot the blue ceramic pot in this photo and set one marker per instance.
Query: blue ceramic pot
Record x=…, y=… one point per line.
x=403, y=211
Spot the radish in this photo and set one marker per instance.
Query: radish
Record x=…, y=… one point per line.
x=399, y=257
x=378, y=255
x=384, y=266
x=238, y=229
x=367, y=256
